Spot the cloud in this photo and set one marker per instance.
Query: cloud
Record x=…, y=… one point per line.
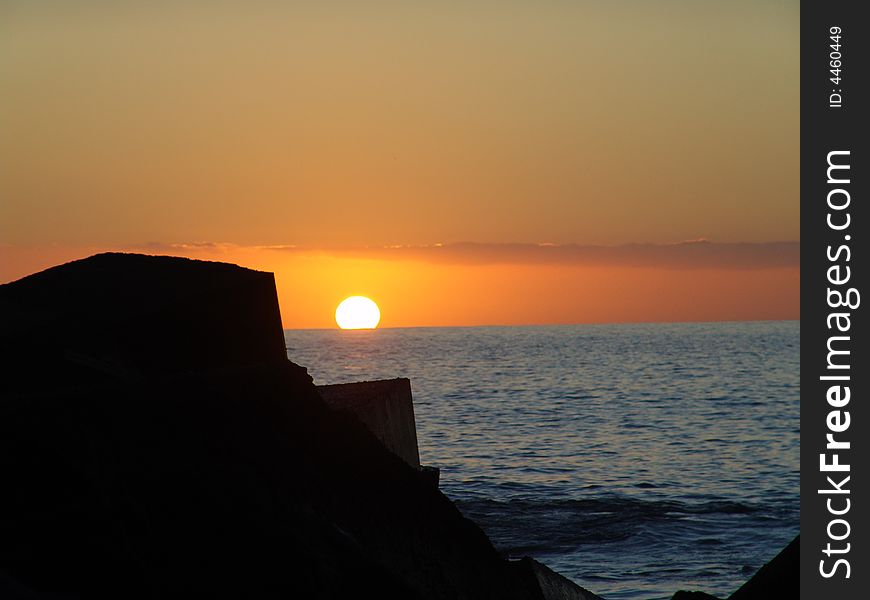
x=698, y=254
x=185, y=247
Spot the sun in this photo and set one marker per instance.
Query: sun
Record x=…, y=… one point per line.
x=357, y=312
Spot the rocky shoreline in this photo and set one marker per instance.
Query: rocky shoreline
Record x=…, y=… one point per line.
x=156, y=442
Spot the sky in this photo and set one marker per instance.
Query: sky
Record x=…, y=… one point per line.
x=425, y=154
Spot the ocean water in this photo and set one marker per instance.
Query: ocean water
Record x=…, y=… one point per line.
x=634, y=459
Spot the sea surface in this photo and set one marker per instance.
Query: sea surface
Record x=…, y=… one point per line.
x=634, y=459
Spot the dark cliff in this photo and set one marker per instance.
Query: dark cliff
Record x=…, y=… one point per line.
x=156, y=442
x=134, y=315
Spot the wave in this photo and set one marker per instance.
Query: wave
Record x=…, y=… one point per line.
x=527, y=526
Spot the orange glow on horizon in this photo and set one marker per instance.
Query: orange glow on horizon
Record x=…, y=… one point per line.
x=422, y=294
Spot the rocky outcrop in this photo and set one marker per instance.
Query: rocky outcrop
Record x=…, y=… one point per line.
x=780, y=578
x=385, y=407
x=155, y=442
x=134, y=316
x=550, y=585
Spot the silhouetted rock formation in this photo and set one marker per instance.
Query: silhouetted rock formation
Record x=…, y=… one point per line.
x=780, y=578
x=385, y=407
x=156, y=442
x=130, y=315
x=551, y=585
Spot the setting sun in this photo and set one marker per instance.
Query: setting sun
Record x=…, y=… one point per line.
x=357, y=312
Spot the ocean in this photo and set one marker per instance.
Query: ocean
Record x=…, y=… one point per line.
x=635, y=459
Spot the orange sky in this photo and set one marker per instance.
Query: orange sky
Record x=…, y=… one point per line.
x=340, y=125
x=415, y=288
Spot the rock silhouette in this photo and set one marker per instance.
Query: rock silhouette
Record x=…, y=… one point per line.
x=136, y=316
x=385, y=407
x=156, y=442
x=780, y=578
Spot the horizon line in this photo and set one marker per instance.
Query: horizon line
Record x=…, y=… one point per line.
x=573, y=324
